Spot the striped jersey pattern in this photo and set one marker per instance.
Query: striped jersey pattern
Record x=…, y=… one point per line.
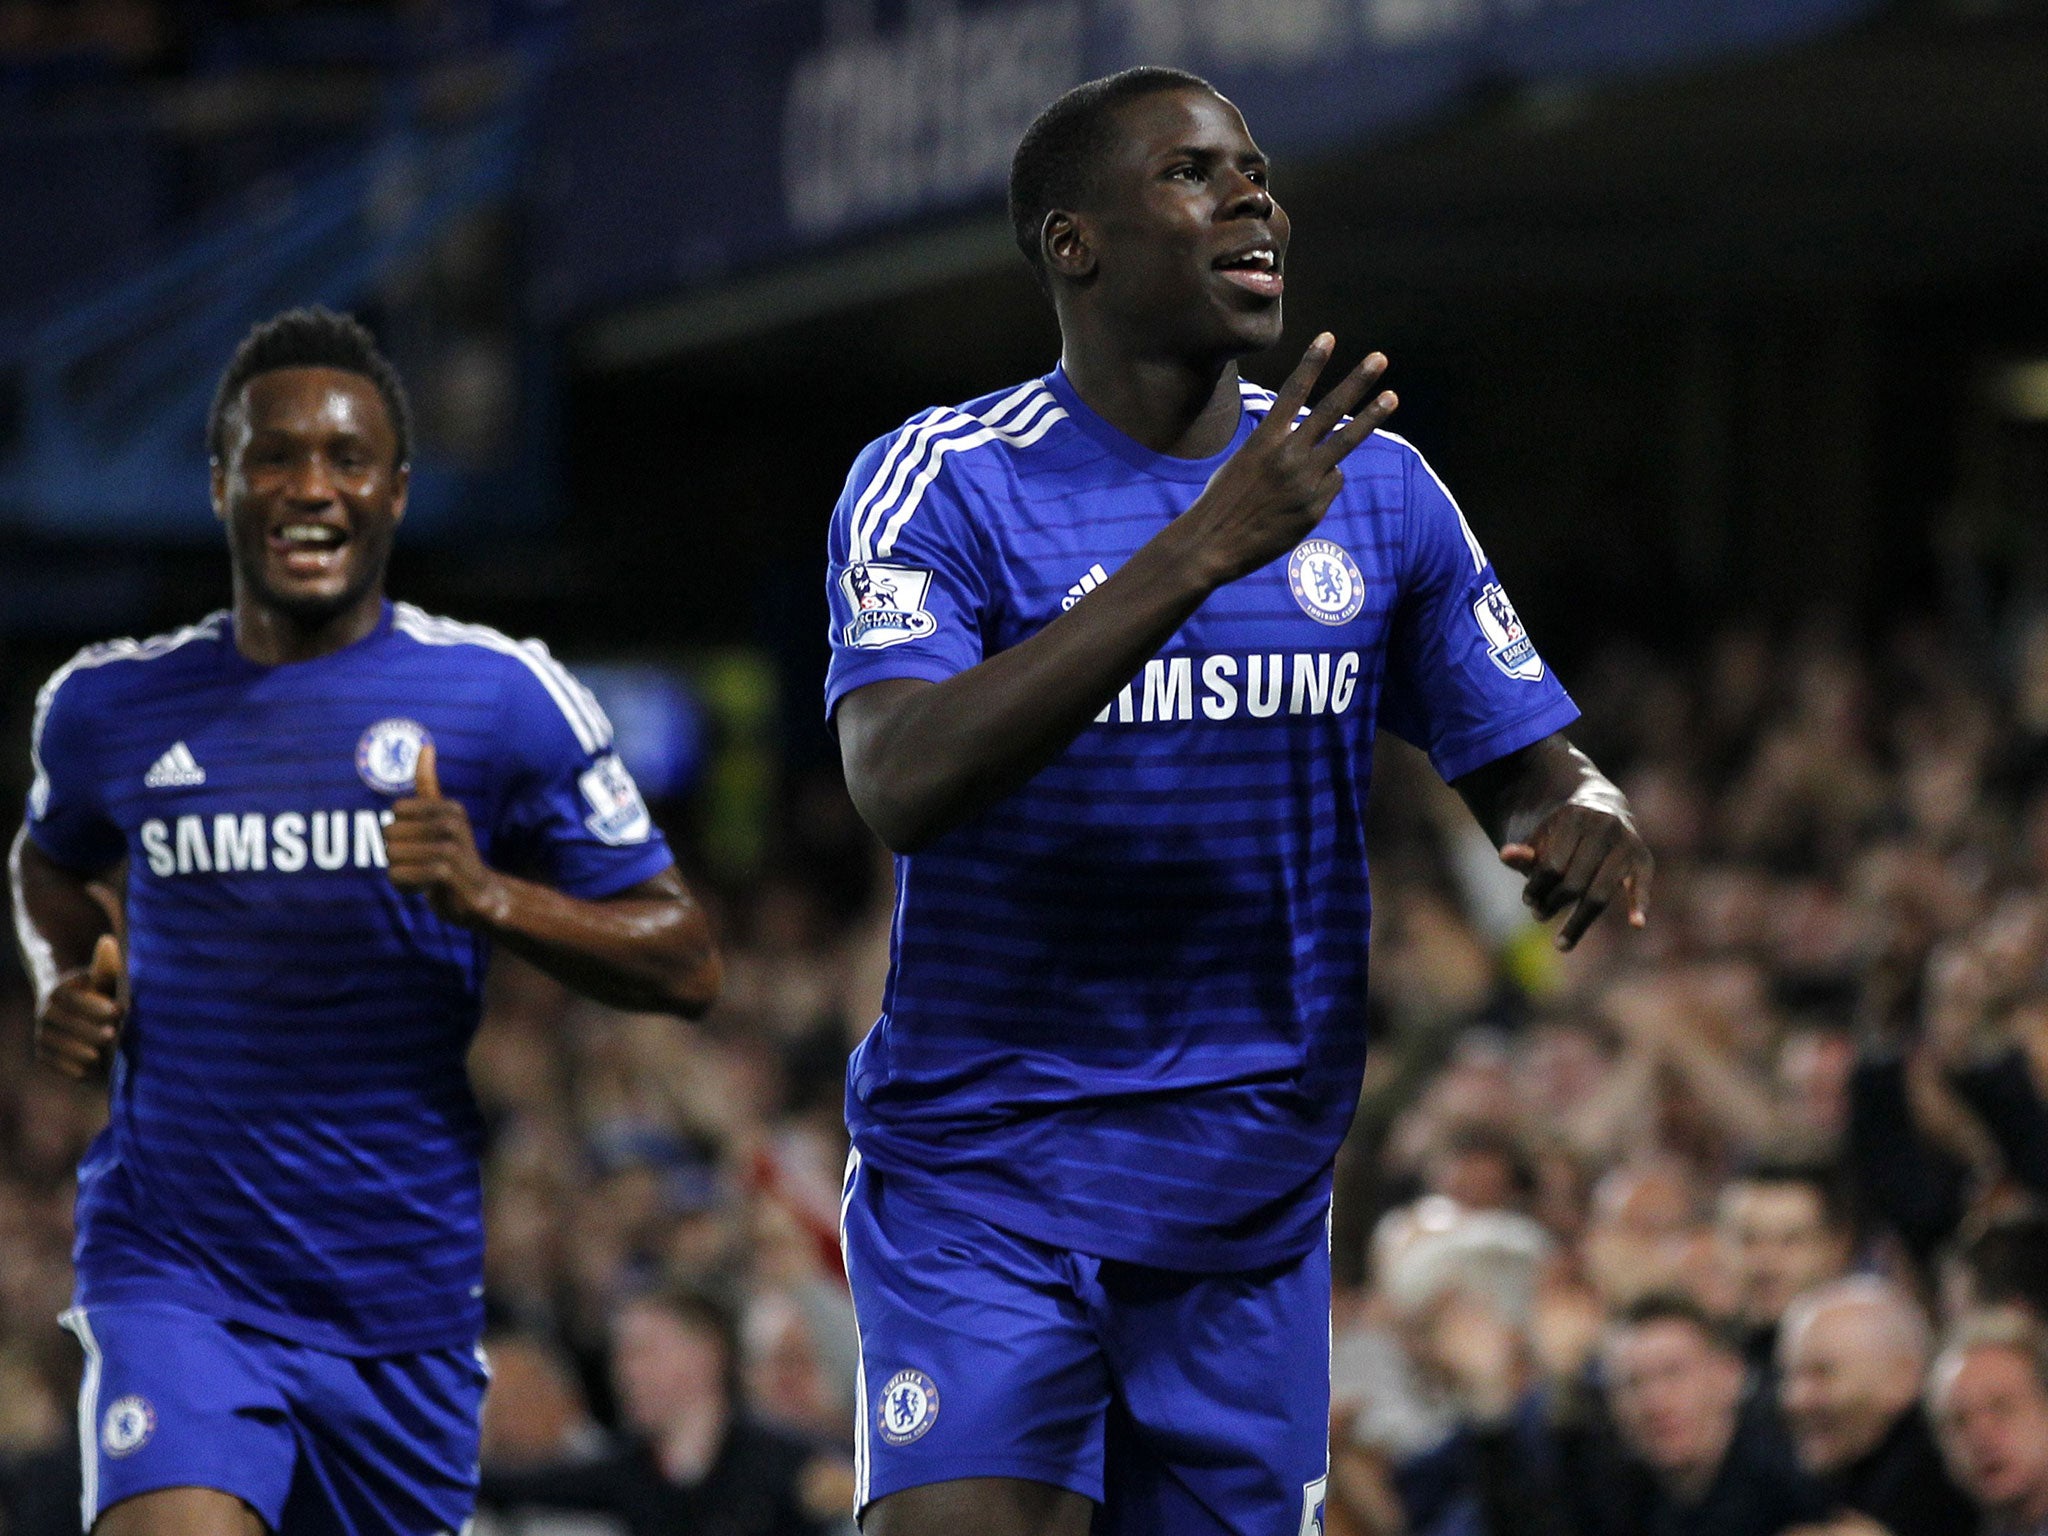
x=1126, y=1006
x=292, y=1142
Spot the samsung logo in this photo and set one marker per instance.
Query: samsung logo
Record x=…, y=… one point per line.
x=229, y=842
x=1258, y=687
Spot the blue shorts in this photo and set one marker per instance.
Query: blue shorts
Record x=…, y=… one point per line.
x=1181, y=1403
x=314, y=1442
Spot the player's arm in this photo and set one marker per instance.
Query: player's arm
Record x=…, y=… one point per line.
x=64, y=924
x=922, y=757
x=647, y=948
x=1560, y=821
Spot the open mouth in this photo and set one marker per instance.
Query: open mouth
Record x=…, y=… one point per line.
x=308, y=548
x=1256, y=270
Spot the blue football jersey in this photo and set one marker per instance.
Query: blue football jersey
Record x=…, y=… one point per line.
x=1126, y=1005
x=292, y=1142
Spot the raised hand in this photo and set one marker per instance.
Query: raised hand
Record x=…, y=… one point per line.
x=1273, y=491
x=433, y=851
x=81, y=1020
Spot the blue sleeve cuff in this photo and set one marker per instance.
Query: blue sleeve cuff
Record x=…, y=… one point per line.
x=1455, y=759
x=76, y=861
x=610, y=878
x=845, y=679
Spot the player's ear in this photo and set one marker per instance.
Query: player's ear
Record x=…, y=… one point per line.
x=401, y=485
x=219, y=476
x=1063, y=240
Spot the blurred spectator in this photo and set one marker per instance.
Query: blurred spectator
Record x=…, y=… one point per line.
x=1483, y=1168
x=1463, y=1290
x=1381, y=1410
x=1465, y=1298
x=800, y=1368
x=1810, y=1078
x=1998, y=1260
x=1783, y=1229
x=692, y=1460
x=534, y=1413
x=1646, y=1234
x=1988, y=1394
x=1676, y=1383
x=1852, y=1356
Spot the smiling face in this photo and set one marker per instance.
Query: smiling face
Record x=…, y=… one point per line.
x=1181, y=244
x=311, y=490
x=1846, y=1373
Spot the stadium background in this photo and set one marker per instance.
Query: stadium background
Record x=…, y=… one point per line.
x=1727, y=319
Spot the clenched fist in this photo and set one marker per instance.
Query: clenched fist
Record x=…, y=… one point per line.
x=80, y=1021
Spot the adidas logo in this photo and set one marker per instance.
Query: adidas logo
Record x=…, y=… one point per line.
x=1096, y=577
x=176, y=769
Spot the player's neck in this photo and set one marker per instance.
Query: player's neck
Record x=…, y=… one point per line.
x=271, y=637
x=1187, y=409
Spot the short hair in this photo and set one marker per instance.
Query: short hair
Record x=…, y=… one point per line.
x=1830, y=1190
x=705, y=1303
x=2004, y=1328
x=315, y=337
x=1676, y=1307
x=1478, y=1138
x=1057, y=158
x=2006, y=1257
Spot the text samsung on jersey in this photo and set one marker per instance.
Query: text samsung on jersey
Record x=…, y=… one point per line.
x=229, y=843
x=1232, y=687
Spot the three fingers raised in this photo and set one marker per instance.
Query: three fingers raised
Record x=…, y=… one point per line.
x=1324, y=430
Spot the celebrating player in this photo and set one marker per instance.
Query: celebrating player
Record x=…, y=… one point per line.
x=1109, y=650
x=329, y=807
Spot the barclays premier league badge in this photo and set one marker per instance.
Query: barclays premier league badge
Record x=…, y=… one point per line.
x=1326, y=581
x=617, y=813
x=1506, y=641
x=887, y=603
x=909, y=1407
x=389, y=755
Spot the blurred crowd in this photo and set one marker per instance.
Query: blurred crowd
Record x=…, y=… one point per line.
x=1733, y=1225
x=1726, y=1226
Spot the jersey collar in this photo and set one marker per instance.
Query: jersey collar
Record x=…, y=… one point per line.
x=379, y=631
x=1133, y=452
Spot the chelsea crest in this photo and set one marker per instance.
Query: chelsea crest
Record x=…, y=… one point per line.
x=1326, y=581
x=129, y=1423
x=909, y=1406
x=389, y=755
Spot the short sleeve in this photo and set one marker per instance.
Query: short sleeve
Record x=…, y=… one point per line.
x=67, y=816
x=904, y=583
x=571, y=816
x=1464, y=681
